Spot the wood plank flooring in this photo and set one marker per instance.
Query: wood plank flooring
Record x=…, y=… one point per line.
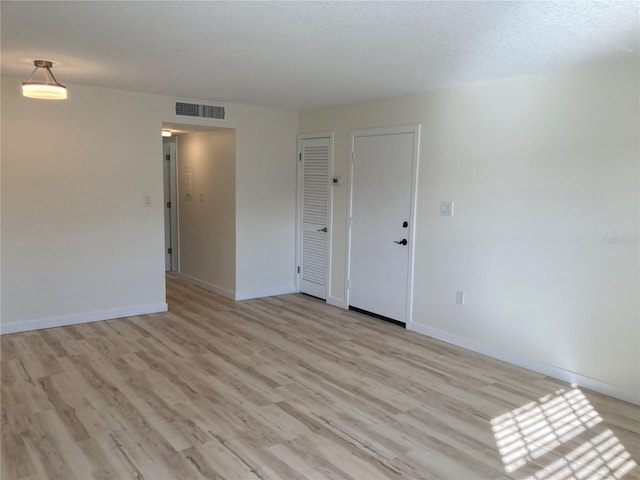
x=290, y=388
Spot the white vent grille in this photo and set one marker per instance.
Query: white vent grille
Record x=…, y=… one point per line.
x=199, y=110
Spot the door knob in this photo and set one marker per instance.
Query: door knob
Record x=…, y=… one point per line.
x=401, y=242
x=325, y=230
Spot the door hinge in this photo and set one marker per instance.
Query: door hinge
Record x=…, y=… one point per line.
x=168, y=204
x=167, y=157
x=169, y=251
x=298, y=269
x=353, y=156
x=300, y=156
x=349, y=284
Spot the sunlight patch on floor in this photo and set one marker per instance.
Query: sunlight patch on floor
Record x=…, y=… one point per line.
x=537, y=428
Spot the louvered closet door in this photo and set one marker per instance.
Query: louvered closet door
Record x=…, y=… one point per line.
x=315, y=215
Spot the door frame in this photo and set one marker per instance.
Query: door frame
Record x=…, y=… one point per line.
x=173, y=198
x=301, y=137
x=374, y=132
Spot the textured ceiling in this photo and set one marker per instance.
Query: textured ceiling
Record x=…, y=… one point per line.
x=301, y=55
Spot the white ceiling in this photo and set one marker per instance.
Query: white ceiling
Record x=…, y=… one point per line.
x=300, y=55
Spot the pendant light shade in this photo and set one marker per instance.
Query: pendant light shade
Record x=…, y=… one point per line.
x=50, y=89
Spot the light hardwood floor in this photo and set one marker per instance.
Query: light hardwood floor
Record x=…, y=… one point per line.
x=286, y=388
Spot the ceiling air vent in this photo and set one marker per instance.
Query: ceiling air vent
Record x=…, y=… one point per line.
x=199, y=110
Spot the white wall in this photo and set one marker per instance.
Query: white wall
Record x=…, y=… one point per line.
x=208, y=219
x=544, y=241
x=77, y=242
x=265, y=201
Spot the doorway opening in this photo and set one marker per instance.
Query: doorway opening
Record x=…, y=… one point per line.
x=200, y=205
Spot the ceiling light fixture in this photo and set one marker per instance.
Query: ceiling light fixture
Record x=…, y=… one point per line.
x=166, y=133
x=50, y=89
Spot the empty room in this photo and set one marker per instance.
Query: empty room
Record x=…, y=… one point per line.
x=320, y=240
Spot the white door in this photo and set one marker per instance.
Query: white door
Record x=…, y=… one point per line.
x=383, y=173
x=315, y=184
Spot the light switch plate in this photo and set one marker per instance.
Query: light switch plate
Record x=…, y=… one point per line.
x=446, y=209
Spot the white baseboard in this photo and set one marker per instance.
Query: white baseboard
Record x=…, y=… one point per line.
x=66, y=320
x=269, y=292
x=545, y=369
x=207, y=286
x=337, y=302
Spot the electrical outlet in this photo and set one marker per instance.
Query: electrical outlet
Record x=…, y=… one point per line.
x=146, y=201
x=460, y=297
